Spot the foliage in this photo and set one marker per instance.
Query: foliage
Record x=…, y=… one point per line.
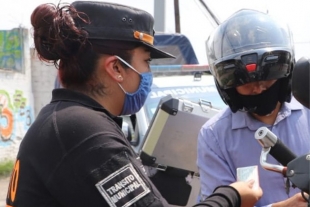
x=6, y=168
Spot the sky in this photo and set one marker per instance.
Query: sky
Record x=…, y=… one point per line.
x=195, y=21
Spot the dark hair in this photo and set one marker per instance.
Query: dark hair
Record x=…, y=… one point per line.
x=58, y=40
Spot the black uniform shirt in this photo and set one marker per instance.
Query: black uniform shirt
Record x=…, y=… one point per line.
x=75, y=155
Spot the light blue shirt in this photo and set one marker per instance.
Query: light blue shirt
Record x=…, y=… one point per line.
x=226, y=142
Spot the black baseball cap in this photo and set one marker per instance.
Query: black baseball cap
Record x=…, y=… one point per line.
x=116, y=22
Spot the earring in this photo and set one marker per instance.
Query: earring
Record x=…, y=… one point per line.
x=120, y=77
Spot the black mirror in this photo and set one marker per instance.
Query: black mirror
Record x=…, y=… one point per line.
x=129, y=130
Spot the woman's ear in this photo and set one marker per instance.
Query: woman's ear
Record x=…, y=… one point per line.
x=114, y=68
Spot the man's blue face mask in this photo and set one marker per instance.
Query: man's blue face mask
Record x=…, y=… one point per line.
x=134, y=101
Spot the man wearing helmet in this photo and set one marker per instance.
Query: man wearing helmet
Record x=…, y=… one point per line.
x=251, y=56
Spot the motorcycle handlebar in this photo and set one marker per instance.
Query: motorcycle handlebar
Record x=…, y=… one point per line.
x=273, y=146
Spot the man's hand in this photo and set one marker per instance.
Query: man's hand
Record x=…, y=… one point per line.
x=295, y=201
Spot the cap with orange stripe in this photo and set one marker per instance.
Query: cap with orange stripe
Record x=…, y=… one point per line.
x=109, y=21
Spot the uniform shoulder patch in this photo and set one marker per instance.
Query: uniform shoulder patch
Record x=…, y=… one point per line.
x=123, y=187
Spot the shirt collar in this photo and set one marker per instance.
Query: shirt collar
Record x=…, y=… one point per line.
x=242, y=119
x=63, y=94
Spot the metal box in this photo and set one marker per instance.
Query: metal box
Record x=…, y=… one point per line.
x=171, y=139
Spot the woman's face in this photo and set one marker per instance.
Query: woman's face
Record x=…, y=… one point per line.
x=141, y=62
x=255, y=88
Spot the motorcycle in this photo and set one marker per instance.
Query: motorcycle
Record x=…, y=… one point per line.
x=295, y=168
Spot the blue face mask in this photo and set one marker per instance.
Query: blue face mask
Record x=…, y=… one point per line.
x=134, y=101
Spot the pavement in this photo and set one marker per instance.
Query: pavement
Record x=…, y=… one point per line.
x=4, y=183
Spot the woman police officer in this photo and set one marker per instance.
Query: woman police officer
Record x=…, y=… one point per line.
x=75, y=153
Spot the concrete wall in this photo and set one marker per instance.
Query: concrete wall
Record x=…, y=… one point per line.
x=25, y=87
x=16, y=97
x=43, y=78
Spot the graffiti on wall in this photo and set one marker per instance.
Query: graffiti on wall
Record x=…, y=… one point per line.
x=15, y=116
x=11, y=49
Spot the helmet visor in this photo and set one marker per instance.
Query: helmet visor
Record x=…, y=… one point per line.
x=244, y=69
